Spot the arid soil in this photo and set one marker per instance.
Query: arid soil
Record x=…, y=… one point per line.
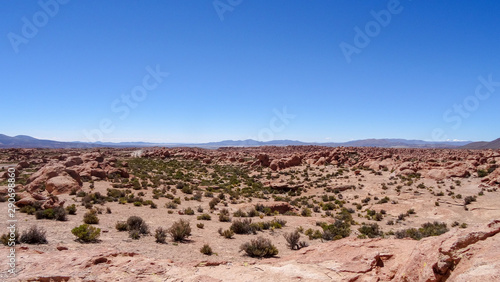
x=366, y=214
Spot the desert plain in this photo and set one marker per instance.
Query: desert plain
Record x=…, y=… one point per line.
x=357, y=214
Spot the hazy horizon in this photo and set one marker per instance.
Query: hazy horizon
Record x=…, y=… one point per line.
x=241, y=140
x=197, y=72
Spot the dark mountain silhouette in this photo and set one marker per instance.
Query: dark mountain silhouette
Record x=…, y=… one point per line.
x=495, y=144
x=23, y=141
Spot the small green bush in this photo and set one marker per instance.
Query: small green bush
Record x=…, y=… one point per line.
x=39, y=214
x=34, y=235
x=469, y=199
x=228, y=233
x=213, y=203
x=121, y=226
x=171, y=205
x=278, y=223
x=71, y=209
x=86, y=233
x=60, y=214
x=197, y=196
x=259, y=247
x=137, y=223
x=243, y=226
x=224, y=216
x=160, y=235
x=293, y=240
x=189, y=211
x=239, y=213
x=90, y=217
x=204, y=216
x=427, y=229
x=206, y=250
x=180, y=230
x=187, y=189
x=306, y=212
x=385, y=200
x=49, y=214
x=338, y=230
x=370, y=230
x=263, y=209
x=28, y=209
x=134, y=234
x=6, y=239
x=482, y=173
x=253, y=213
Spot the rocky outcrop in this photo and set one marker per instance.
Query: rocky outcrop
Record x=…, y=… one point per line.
x=39, y=200
x=493, y=178
x=263, y=159
x=454, y=170
x=97, y=264
x=438, y=258
x=40, y=178
x=72, y=161
x=285, y=162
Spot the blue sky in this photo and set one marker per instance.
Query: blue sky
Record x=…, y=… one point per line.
x=233, y=65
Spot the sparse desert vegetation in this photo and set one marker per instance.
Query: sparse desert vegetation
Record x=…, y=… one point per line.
x=251, y=203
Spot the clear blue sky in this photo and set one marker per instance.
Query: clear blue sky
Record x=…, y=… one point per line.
x=228, y=71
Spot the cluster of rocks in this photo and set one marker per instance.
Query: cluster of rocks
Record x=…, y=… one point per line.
x=61, y=173
x=437, y=164
x=67, y=173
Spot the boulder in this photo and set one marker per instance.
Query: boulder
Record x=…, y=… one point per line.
x=61, y=185
x=436, y=174
x=460, y=170
x=321, y=161
x=98, y=172
x=294, y=161
x=72, y=161
x=264, y=159
x=27, y=201
x=276, y=164
x=111, y=172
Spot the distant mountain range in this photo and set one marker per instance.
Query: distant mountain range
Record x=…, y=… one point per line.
x=495, y=144
x=383, y=143
x=23, y=141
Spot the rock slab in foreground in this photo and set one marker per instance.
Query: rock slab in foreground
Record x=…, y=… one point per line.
x=460, y=255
